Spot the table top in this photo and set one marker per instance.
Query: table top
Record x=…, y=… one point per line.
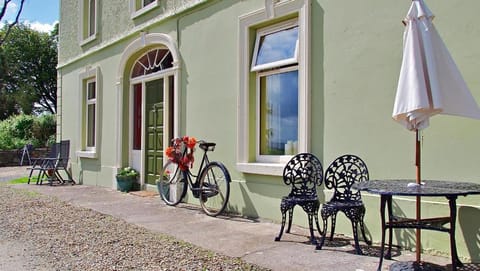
x=431, y=188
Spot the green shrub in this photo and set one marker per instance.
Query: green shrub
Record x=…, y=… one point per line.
x=43, y=128
x=16, y=131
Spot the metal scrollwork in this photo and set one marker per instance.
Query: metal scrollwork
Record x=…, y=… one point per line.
x=342, y=173
x=304, y=172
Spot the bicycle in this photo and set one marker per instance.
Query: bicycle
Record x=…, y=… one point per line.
x=212, y=182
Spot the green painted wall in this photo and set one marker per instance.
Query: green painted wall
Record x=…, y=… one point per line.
x=355, y=61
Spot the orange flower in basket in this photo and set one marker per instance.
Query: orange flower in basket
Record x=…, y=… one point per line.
x=169, y=151
x=191, y=142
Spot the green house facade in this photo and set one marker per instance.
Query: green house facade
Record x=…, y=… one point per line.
x=264, y=79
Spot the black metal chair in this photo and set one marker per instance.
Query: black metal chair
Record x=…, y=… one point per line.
x=49, y=167
x=304, y=172
x=39, y=164
x=52, y=167
x=340, y=175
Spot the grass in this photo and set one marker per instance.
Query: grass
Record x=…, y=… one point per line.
x=18, y=181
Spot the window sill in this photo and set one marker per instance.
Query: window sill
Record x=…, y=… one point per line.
x=88, y=39
x=261, y=168
x=87, y=154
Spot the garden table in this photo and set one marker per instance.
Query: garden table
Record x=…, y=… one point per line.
x=430, y=188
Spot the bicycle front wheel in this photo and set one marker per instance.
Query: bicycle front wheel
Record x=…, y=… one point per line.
x=172, y=184
x=214, y=188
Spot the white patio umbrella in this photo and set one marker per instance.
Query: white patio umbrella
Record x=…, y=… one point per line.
x=429, y=83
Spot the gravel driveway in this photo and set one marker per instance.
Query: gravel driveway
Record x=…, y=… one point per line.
x=42, y=233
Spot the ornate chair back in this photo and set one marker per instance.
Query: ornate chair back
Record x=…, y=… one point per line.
x=342, y=174
x=303, y=173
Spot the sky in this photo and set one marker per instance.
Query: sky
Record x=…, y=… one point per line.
x=41, y=15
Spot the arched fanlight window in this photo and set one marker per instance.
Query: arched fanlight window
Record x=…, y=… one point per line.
x=153, y=61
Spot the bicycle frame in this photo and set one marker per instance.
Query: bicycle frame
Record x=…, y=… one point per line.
x=193, y=185
x=212, y=182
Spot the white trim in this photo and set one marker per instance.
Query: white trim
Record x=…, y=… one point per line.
x=146, y=40
x=119, y=125
x=86, y=113
x=246, y=159
x=261, y=168
x=90, y=75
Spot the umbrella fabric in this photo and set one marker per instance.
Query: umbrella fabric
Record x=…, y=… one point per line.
x=430, y=82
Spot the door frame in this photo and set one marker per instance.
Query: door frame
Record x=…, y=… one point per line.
x=137, y=158
x=142, y=43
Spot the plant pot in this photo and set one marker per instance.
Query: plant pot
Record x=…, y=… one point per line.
x=125, y=183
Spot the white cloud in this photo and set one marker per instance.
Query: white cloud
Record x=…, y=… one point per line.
x=41, y=27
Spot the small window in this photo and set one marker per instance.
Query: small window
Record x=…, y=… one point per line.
x=89, y=21
x=139, y=7
x=89, y=97
x=91, y=104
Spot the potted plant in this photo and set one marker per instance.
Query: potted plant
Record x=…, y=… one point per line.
x=126, y=179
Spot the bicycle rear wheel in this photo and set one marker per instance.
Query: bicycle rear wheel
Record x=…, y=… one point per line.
x=214, y=188
x=172, y=184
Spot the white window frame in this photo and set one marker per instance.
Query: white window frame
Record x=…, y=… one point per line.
x=136, y=11
x=91, y=75
x=88, y=103
x=270, y=30
x=85, y=20
x=247, y=161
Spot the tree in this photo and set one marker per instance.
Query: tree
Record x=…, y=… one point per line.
x=29, y=79
x=9, y=25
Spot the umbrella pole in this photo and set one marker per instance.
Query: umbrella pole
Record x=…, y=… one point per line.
x=419, y=180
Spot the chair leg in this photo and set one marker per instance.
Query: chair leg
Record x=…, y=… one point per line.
x=355, y=238
x=30, y=176
x=318, y=224
x=313, y=240
x=334, y=222
x=282, y=227
x=362, y=228
x=323, y=234
x=290, y=219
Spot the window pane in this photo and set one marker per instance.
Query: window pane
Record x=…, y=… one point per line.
x=91, y=93
x=146, y=2
x=153, y=61
x=277, y=46
x=137, y=116
x=91, y=125
x=279, y=113
x=91, y=17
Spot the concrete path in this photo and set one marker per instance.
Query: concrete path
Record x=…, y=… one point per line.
x=251, y=240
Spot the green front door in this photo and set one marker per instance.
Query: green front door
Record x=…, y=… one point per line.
x=154, y=130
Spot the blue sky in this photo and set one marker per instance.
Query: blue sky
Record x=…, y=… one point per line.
x=39, y=14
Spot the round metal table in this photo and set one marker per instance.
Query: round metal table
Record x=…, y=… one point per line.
x=431, y=188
